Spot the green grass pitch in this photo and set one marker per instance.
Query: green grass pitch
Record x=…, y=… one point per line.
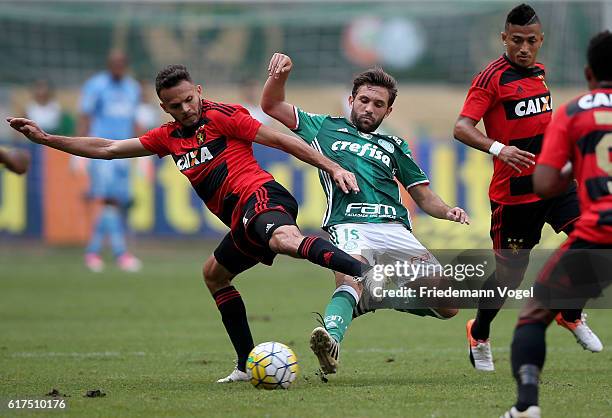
x=154, y=343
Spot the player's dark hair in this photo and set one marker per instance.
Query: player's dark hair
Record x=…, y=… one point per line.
x=522, y=15
x=171, y=76
x=598, y=56
x=376, y=77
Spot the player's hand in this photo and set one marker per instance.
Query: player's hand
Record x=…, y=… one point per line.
x=457, y=214
x=28, y=128
x=516, y=158
x=279, y=63
x=345, y=180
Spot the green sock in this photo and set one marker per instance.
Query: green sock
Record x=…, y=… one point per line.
x=339, y=311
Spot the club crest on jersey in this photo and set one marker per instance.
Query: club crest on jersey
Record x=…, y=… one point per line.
x=388, y=146
x=201, y=134
x=193, y=158
x=515, y=244
x=541, y=77
x=527, y=107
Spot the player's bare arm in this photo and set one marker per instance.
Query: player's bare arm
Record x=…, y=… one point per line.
x=343, y=178
x=88, y=147
x=273, y=96
x=550, y=182
x=17, y=161
x=434, y=206
x=465, y=131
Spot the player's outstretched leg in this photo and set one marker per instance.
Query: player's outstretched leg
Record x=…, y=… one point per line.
x=233, y=314
x=289, y=240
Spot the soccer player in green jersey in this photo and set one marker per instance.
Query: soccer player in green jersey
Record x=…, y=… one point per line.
x=374, y=218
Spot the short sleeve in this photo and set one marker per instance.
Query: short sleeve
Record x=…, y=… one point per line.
x=556, y=149
x=408, y=171
x=478, y=100
x=89, y=96
x=240, y=124
x=153, y=141
x=308, y=124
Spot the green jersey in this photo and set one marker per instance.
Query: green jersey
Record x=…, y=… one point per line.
x=375, y=159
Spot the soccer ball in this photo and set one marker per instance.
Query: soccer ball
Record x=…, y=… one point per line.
x=272, y=365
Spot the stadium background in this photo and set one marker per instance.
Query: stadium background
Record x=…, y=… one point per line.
x=153, y=341
x=432, y=48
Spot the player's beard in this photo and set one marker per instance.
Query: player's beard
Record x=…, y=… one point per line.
x=198, y=113
x=363, y=127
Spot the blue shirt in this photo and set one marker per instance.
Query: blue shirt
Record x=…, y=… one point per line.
x=111, y=105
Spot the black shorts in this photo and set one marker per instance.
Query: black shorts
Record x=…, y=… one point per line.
x=579, y=270
x=519, y=227
x=270, y=207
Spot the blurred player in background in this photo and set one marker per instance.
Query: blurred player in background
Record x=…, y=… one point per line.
x=374, y=218
x=108, y=107
x=211, y=144
x=43, y=108
x=581, y=133
x=250, y=90
x=15, y=160
x=512, y=98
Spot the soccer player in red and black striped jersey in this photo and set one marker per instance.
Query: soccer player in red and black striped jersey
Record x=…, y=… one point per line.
x=511, y=97
x=581, y=133
x=211, y=144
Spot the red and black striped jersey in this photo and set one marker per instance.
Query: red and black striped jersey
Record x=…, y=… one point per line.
x=216, y=155
x=581, y=132
x=515, y=106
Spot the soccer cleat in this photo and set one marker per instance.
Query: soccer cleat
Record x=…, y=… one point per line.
x=326, y=349
x=94, y=262
x=481, y=356
x=127, y=262
x=584, y=335
x=532, y=412
x=235, y=376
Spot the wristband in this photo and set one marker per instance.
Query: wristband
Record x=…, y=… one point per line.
x=496, y=148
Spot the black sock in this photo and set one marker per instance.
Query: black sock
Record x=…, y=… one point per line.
x=481, y=328
x=487, y=310
x=321, y=252
x=233, y=315
x=528, y=355
x=571, y=315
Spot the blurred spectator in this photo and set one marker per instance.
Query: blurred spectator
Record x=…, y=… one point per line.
x=15, y=160
x=148, y=113
x=108, y=106
x=43, y=108
x=250, y=92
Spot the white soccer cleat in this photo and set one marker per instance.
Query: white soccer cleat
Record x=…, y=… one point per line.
x=326, y=349
x=235, y=376
x=373, y=283
x=481, y=356
x=531, y=412
x=584, y=335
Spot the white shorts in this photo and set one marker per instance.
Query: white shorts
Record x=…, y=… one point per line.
x=389, y=239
